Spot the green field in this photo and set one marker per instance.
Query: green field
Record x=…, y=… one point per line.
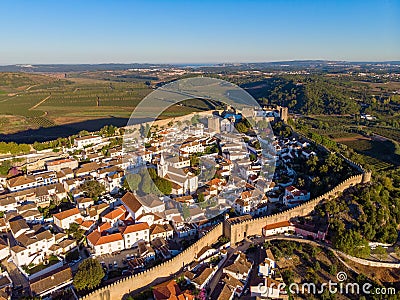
x=35, y=101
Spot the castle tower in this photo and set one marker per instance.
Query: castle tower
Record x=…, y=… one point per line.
x=366, y=177
x=283, y=113
x=213, y=124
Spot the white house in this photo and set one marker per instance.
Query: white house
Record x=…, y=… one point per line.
x=65, y=218
x=293, y=196
x=84, y=202
x=137, y=205
x=105, y=244
x=182, y=182
x=240, y=268
x=277, y=228
x=135, y=233
x=87, y=140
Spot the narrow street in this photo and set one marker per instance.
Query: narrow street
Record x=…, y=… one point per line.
x=231, y=252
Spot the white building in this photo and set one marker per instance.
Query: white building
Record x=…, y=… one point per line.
x=105, y=244
x=182, y=182
x=65, y=218
x=135, y=233
x=87, y=140
x=59, y=164
x=277, y=228
x=227, y=126
x=293, y=196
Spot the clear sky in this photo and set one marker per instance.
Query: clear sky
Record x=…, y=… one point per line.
x=203, y=31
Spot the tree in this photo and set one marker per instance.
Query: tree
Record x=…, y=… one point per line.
x=333, y=269
x=397, y=251
x=200, y=197
x=380, y=252
x=93, y=188
x=163, y=185
x=89, y=275
x=75, y=231
x=132, y=182
x=195, y=119
x=152, y=173
x=241, y=127
x=145, y=185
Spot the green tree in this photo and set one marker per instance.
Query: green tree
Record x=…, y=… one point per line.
x=75, y=231
x=93, y=188
x=89, y=275
x=333, y=269
x=146, y=185
x=380, y=252
x=200, y=197
x=195, y=119
x=132, y=182
x=240, y=127
x=163, y=185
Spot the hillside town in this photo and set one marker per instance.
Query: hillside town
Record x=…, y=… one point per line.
x=82, y=205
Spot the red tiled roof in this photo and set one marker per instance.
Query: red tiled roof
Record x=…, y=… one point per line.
x=116, y=213
x=277, y=225
x=59, y=161
x=131, y=202
x=170, y=290
x=87, y=224
x=95, y=238
x=104, y=226
x=66, y=214
x=136, y=227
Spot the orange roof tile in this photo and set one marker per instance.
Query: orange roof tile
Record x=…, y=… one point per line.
x=87, y=224
x=277, y=225
x=104, y=226
x=131, y=202
x=136, y=227
x=116, y=213
x=66, y=214
x=95, y=238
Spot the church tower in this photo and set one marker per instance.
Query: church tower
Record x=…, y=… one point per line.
x=162, y=167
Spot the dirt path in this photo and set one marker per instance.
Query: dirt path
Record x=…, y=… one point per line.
x=352, y=138
x=31, y=86
x=41, y=102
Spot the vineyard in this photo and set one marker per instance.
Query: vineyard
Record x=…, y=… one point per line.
x=40, y=101
x=393, y=134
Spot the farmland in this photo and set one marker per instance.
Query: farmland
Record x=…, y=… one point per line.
x=378, y=145
x=33, y=101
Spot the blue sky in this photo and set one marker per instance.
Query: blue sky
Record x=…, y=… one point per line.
x=197, y=31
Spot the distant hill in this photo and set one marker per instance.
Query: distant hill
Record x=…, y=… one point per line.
x=275, y=65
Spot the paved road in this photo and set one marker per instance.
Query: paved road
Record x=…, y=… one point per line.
x=15, y=274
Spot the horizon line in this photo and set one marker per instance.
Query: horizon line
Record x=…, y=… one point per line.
x=204, y=63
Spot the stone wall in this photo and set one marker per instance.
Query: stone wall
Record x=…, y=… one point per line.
x=371, y=263
x=156, y=274
x=238, y=231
